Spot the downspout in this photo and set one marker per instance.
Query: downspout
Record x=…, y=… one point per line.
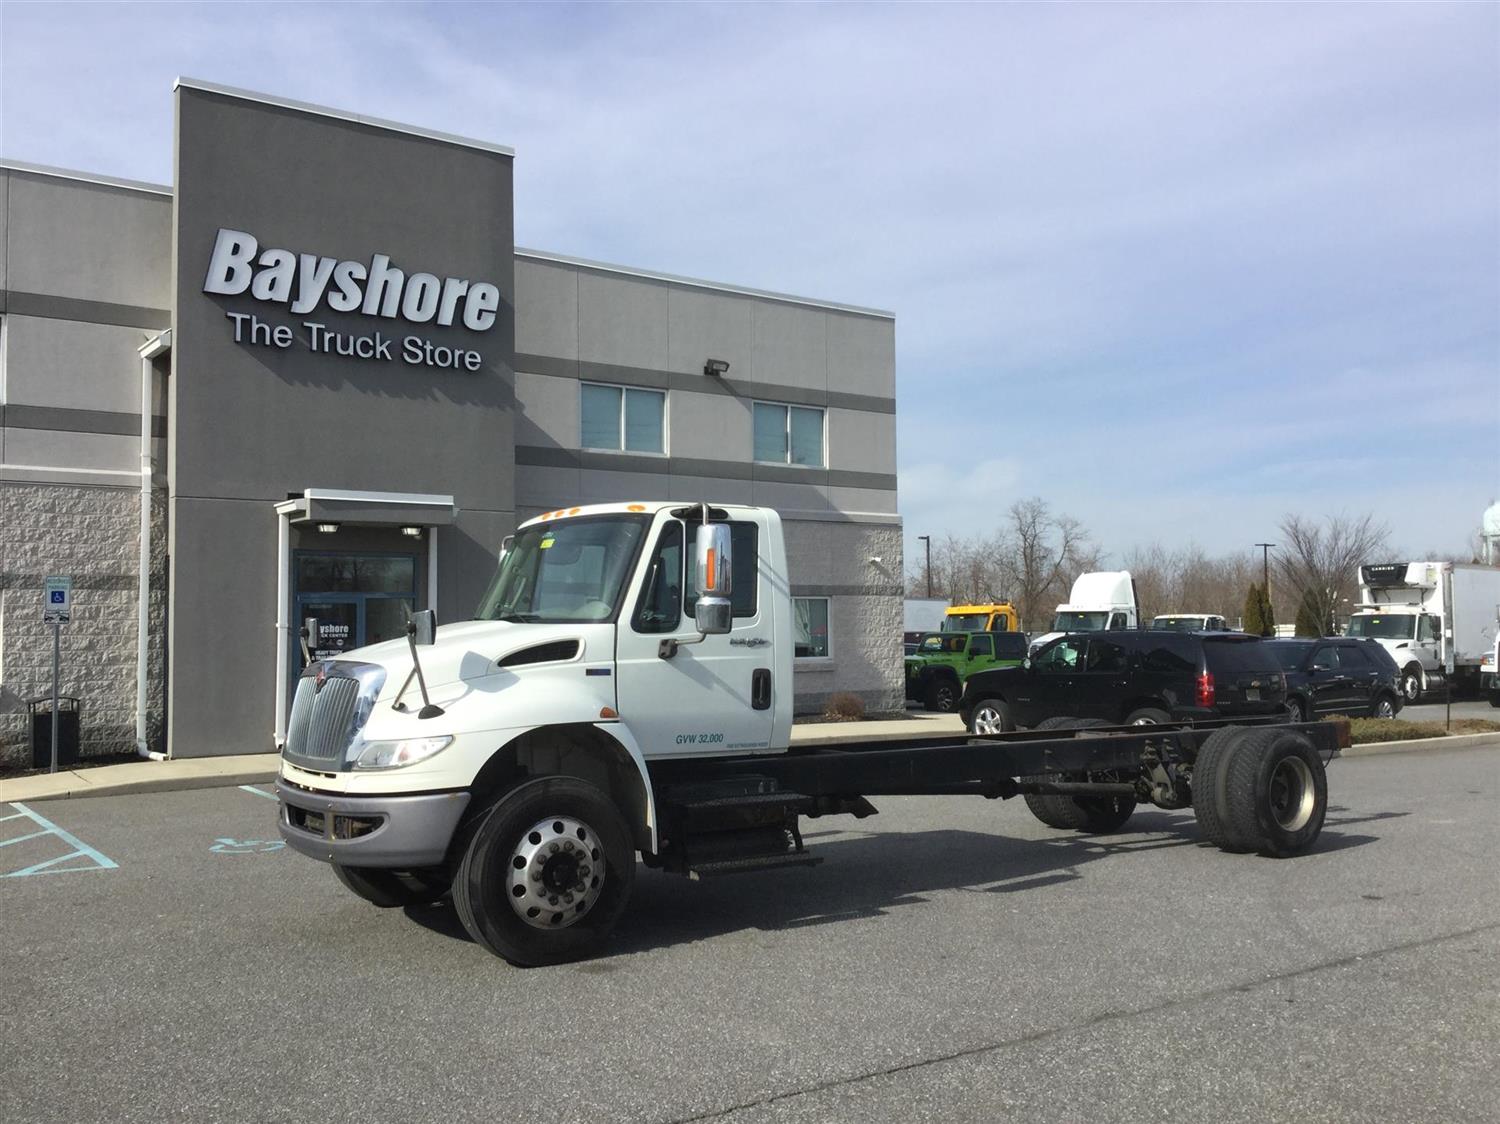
x=157, y=345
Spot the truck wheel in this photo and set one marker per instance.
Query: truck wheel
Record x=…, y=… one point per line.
x=1147, y=716
x=942, y=695
x=991, y=716
x=389, y=889
x=546, y=873
x=1209, y=787
x=1267, y=792
x=1097, y=815
x=1411, y=683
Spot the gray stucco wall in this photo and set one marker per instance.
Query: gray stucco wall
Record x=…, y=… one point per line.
x=577, y=322
x=250, y=424
x=84, y=276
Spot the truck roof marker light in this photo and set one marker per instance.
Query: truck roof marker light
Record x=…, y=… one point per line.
x=608, y=712
x=572, y=511
x=635, y=507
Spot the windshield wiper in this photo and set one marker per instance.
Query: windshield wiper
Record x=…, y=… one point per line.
x=519, y=617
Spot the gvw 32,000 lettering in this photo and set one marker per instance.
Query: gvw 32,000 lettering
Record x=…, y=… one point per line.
x=700, y=739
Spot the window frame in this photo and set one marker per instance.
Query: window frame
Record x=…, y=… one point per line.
x=786, y=409
x=666, y=416
x=828, y=636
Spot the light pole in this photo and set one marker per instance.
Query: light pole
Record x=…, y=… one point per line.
x=927, y=540
x=1265, y=566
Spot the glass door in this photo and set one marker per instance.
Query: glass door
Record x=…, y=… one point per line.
x=352, y=599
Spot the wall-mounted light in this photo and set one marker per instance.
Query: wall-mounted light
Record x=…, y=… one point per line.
x=716, y=367
x=328, y=528
x=412, y=532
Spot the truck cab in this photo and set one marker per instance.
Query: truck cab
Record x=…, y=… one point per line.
x=1099, y=602
x=998, y=616
x=584, y=656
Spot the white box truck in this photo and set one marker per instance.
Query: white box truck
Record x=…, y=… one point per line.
x=1099, y=601
x=625, y=689
x=1437, y=620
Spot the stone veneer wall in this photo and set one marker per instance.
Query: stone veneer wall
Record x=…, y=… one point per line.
x=93, y=534
x=864, y=609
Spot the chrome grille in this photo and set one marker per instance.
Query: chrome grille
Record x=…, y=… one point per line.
x=326, y=718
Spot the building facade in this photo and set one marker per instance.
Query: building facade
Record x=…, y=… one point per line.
x=353, y=385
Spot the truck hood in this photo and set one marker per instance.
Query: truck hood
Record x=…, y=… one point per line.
x=473, y=649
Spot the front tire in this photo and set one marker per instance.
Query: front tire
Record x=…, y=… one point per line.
x=1411, y=684
x=991, y=716
x=546, y=873
x=1384, y=706
x=1147, y=716
x=943, y=694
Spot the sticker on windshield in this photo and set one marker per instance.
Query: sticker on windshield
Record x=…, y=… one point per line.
x=547, y=542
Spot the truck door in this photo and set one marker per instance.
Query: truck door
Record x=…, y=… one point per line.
x=713, y=696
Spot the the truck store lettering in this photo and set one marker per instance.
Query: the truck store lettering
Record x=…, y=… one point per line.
x=304, y=281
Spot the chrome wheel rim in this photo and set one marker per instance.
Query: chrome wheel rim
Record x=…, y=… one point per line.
x=1294, y=712
x=1292, y=793
x=987, y=721
x=556, y=873
x=1409, y=685
x=1385, y=709
x=1144, y=721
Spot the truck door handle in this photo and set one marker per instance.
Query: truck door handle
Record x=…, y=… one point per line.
x=760, y=689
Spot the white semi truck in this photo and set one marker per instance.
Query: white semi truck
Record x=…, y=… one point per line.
x=1437, y=620
x=1099, y=601
x=626, y=689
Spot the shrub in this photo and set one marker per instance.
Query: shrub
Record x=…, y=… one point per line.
x=1367, y=731
x=844, y=707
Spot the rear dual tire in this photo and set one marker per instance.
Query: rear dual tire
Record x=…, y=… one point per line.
x=1096, y=815
x=1260, y=789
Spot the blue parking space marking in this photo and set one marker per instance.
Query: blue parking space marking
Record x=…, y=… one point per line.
x=257, y=791
x=79, y=856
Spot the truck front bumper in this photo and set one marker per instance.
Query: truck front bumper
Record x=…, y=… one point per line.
x=396, y=832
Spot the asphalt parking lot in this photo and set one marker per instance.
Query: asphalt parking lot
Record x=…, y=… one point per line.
x=951, y=959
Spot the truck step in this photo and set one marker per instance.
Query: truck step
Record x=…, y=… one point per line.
x=758, y=800
x=752, y=863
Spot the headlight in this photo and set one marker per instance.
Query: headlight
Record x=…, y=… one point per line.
x=393, y=755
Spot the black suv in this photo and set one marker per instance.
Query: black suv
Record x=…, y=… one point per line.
x=1335, y=675
x=1135, y=677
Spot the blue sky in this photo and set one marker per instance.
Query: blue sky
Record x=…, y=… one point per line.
x=1177, y=269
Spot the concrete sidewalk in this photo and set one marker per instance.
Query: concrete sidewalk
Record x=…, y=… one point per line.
x=258, y=768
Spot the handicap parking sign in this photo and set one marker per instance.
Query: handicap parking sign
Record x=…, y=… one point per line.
x=57, y=605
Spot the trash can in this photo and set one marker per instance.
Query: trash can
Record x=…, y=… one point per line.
x=41, y=731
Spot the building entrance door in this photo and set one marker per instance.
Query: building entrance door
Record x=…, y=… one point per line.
x=352, y=599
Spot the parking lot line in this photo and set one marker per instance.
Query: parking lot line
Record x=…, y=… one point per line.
x=81, y=850
x=257, y=791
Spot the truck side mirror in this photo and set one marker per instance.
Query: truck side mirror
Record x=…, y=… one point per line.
x=714, y=580
x=422, y=627
x=505, y=544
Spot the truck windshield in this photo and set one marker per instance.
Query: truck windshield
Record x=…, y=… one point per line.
x=966, y=622
x=1383, y=627
x=1080, y=622
x=567, y=570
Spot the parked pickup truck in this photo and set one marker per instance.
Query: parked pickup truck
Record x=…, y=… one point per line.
x=625, y=688
x=937, y=671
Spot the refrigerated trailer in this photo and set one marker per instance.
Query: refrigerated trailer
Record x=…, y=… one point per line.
x=625, y=690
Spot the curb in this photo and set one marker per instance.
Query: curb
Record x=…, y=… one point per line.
x=1417, y=745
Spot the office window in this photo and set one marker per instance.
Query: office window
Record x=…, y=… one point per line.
x=788, y=434
x=810, y=627
x=620, y=418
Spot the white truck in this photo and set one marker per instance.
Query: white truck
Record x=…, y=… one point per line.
x=626, y=689
x=1436, y=619
x=1099, y=601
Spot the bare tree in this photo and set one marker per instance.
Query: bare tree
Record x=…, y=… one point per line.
x=1042, y=552
x=1320, y=562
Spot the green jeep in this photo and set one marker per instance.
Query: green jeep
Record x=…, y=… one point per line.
x=943, y=661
